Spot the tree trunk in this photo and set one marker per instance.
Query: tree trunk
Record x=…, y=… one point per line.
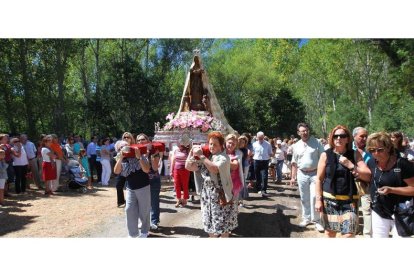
x=61, y=63
x=8, y=97
x=27, y=91
x=98, y=96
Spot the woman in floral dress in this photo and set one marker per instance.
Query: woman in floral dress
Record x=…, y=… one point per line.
x=218, y=207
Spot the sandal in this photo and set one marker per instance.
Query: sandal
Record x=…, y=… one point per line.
x=178, y=203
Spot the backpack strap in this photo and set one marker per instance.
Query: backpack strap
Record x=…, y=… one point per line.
x=397, y=171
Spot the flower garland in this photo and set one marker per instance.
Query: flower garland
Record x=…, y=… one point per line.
x=193, y=120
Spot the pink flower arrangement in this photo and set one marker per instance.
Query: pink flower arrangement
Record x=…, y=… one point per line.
x=193, y=120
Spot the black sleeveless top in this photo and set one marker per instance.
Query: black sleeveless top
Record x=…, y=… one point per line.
x=338, y=178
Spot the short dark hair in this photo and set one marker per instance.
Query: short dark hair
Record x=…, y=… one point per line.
x=302, y=125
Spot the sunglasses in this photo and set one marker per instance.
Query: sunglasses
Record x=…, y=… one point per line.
x=377, y=150
x=342, y=136
x=126, y=137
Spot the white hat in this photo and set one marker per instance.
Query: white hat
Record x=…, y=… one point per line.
x=279, y=142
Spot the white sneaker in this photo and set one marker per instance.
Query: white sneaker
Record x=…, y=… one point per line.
x=153, y=226
x=319, y=227
x=143, y=235
x=304, y=223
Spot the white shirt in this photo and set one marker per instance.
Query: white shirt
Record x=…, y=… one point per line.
x=262, y=151
x=22, y=160
x=306, y=155
x=45, y=156
x=279, y=154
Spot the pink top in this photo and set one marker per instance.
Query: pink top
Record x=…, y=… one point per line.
x=235, y=176
x=180, y=157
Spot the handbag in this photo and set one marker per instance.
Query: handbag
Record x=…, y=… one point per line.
x=222, y=198
x=404, y=220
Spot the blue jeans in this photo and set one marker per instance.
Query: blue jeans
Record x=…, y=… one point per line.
x=261, y=169
x=155, y=184
x=279, y=167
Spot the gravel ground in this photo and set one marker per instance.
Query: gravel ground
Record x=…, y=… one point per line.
x=94, y=214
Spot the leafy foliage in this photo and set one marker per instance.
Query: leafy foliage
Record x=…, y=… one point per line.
x=107, y=86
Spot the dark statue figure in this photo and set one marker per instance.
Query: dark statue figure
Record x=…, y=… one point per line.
x=197, y=89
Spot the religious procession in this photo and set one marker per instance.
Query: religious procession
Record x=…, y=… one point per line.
x=347, y=182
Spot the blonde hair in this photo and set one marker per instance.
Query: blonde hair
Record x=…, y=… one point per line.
x=244, y=138
x=234, y=138
x=380, y=139
x=143, y=135
x=129, y=134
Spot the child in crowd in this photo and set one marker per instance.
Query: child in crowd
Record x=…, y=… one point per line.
x=3, y=175
x=83, y=162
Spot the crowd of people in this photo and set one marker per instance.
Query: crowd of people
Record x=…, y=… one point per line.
x=336, y=176
x=43, y=161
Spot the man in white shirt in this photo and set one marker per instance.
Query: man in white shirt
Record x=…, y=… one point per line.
x=262, y=151
x=306, y=153
x=31, y=152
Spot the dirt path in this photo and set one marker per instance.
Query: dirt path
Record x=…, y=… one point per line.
x=275, y=216
x=94, y=214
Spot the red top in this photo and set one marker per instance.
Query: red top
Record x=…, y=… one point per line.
x=7, y=150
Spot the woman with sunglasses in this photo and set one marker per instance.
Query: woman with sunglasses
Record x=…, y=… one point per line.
x=392, y=180
x=138, y=196
x=128, y=138
x=155, y=181
x=336, y=192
